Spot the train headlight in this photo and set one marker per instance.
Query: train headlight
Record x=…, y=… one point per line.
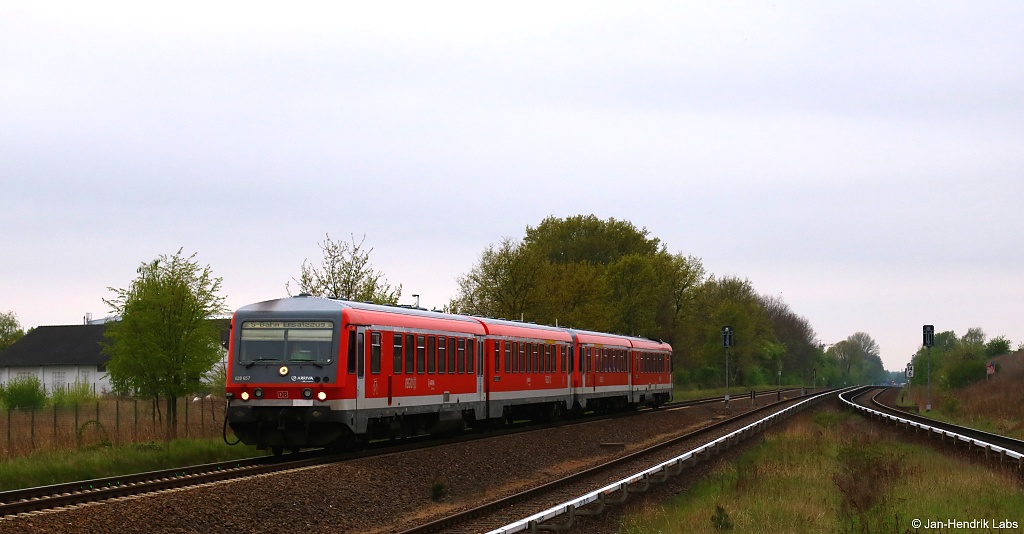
x=307, y=393
x=258, y=393
x=322, y=395
x=245, y=395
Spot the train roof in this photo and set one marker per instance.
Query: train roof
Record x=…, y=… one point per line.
x=504, y=327
x=403, y=316
x=600, y=338
x=364, y=313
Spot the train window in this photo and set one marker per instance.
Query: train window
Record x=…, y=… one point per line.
x=351, y=352
x=277, y=341
x=515, y=356
x=421, y=354
x=470, y=355
x=497, y=356
x=529, y=357
x=375, y=353
x=480, y=354
x=452, y=352
x=462, y=355
x=410, y=354
x=589, y=357
x=360, y=355
x=398, y=353
x=442, y=354
x=508, y=356
x=431, y=354
x=562, y=353
x=522, y=357
x=549, y=355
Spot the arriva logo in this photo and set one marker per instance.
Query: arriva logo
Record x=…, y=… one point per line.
x=301, y=378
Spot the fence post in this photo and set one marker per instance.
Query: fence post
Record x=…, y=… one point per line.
x=8, y=431
x=76, y=418
x=55, y=423
x=135, y=431
x=186, y=416
x=117, y=418
x=33, y=429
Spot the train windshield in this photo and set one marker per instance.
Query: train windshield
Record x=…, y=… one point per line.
x=286, y=341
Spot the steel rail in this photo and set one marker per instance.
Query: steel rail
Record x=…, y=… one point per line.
x=694, y=455
x=969, y=436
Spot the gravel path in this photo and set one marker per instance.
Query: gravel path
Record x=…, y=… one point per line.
x=381, y=494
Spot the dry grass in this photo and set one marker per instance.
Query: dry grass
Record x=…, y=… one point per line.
x=834, y=471
x=107, y=421
x=993, y=405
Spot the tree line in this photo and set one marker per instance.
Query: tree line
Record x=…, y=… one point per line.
x=609, y=275
x=958, y=361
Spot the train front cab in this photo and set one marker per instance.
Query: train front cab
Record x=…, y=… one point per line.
x=285, y=388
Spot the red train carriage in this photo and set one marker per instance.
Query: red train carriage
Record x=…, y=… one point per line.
x=601, y=379
x=651, y=375
x=527, y=371
x=308, y=371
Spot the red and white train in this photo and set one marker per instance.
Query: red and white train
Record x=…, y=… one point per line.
x=315, y=372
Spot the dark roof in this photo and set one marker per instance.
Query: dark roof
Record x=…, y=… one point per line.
x=57, y=345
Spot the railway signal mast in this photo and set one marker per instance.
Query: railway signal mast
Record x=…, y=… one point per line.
x=929, y=342
x=727, y=341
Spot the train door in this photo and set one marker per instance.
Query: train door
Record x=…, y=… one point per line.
x=481, y=361
x=591, y=368
x=360, y=356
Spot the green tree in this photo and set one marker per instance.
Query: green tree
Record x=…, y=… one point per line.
x=165, y=341
x=501, y=284
x=795, y=333
x=585, y=238
x=10, y=330
x=997, y=346
x=345, y=272
x=720, y=302
x=858, y=360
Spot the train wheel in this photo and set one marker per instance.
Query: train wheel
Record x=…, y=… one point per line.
x=557, y=411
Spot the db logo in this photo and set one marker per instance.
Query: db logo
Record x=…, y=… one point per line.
x=282, y=394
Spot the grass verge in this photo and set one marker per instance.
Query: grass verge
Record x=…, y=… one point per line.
x=833, y=471
x=55, y=467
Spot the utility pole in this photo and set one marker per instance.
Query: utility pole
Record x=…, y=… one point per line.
x=929, y=341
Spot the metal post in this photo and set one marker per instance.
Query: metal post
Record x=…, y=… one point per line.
x=727, y=378
x=928, y=407
x=929, y=340
x=727, y=341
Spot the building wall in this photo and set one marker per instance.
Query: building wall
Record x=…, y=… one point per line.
x=61, y=376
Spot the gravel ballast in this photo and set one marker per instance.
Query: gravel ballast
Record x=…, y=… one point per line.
x=381, y=494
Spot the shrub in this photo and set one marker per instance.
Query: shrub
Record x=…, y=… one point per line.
x=438, y=490
x=963, y=373
x=24, y=392
x=77, y=393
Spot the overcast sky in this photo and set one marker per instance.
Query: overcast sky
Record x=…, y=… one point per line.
x=864, y=160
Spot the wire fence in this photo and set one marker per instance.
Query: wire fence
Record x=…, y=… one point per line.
x=108, y=421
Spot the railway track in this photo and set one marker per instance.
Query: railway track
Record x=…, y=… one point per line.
x=1002, y=446
x=500, y=512
x=76, y=493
